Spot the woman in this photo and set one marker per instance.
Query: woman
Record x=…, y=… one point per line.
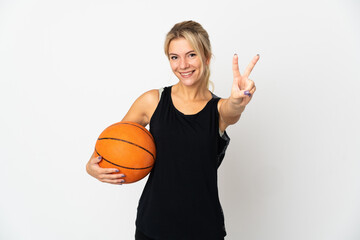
x=180, y=199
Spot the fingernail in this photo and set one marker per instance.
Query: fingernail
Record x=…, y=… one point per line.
x=247, y=93
x=235, y=54
x=99, y=157
x=258, y=55
x=122, y=175
x=117, y=170
x=122, y=181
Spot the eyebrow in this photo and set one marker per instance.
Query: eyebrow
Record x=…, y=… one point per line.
x=185, y=53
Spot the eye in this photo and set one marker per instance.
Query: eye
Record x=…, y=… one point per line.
x=192, y=55
x=173, y=57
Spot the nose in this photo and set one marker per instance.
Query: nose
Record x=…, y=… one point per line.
x=184, y=63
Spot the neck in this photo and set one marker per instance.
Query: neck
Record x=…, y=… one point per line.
x=193, y=92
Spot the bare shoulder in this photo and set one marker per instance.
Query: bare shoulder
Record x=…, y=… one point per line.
x=149, y=101
x=143, y=108
x=150, y=97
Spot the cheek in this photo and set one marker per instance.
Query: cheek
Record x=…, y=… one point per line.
x=197, y=63
x=173, y=66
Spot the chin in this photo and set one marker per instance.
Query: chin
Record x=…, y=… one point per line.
x=189, y=82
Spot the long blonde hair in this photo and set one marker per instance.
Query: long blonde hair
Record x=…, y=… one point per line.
x=198, y=38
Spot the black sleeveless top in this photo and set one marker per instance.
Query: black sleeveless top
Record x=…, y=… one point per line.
x=180, y=200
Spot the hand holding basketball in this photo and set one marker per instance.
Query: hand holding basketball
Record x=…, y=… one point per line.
x=106, y=175
x=124, y=146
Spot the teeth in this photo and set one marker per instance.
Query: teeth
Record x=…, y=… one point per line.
x=186, y=74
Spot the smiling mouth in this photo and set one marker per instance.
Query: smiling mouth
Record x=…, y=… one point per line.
x=187, y=74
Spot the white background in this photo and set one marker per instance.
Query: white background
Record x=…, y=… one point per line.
x=68, y=69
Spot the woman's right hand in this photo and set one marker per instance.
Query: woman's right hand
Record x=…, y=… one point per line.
x=107, y=175
x=140, y=112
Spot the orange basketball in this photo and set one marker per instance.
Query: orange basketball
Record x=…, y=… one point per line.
x=129, y=147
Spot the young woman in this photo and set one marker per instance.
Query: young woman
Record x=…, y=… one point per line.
x=180, y=199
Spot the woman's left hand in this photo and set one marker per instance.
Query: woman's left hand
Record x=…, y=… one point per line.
x=243, y=88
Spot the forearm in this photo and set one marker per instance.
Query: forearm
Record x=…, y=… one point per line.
x=230, y=110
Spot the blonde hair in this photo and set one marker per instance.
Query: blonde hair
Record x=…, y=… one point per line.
x=198, y=38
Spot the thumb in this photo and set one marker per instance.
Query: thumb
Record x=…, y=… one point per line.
x=96, y=160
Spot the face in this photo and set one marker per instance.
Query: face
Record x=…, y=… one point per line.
x=185, y=62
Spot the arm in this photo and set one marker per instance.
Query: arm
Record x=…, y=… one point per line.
x=140, y=112
x=142, y=109
x=242, y=90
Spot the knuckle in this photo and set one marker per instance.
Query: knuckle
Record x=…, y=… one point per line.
x=113, y=176
x=101, y=177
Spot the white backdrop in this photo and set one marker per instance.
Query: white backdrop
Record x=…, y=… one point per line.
x=68, y=69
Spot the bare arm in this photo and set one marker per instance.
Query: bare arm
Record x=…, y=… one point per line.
x=140, y=112
x=142, y=109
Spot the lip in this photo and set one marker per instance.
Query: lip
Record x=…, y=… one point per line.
x=190, y=73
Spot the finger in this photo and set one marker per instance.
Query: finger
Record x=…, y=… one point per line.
x=247, y=93
x=106, y=176
x=251, y=65
x=109, y=170
x=253, y=90
x=95, y=165
x=117, y=181
x=249, y=85
x=96, y=160
x=250, y=92
x=112, y=176
x=235, y=66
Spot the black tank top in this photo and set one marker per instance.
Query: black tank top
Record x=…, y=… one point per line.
x=180, y=200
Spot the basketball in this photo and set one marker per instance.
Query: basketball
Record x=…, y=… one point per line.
x=129, y=147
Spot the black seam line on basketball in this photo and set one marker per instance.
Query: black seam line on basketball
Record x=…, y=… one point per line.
x=122, y=140
x=120, y=165
x=137, y=127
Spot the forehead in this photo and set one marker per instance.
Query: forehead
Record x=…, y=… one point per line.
x=180, y=46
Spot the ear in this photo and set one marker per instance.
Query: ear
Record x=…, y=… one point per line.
x=208, y=61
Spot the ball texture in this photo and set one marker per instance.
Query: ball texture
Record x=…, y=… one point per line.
x=129, y=147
